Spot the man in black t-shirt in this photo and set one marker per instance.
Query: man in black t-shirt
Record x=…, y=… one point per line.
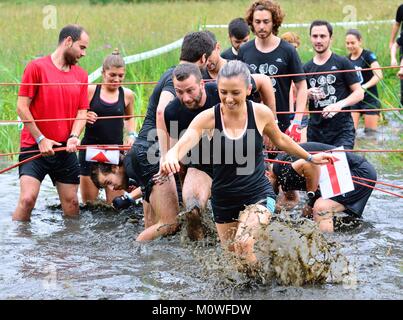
x=330, y=92
x=193, y=97
x=395, y=29
x=238, y=33
x=268, y=54
x=262, y=89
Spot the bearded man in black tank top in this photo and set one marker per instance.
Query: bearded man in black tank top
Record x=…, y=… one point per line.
x=160, y=203
x=193, y=97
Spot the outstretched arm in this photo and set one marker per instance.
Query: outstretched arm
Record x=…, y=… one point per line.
x=283, y=142
x=204, y=121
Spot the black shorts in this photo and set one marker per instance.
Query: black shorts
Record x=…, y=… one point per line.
x=355, y=201
x=63, y=167
x=85, y=166
x=206, y=168
x=372, y=104
x=145, y=165
x=226, y=210
x=345, y=138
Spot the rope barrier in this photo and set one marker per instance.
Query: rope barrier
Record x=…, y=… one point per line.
x=354, y=181
x=155, y=82
x=83, y=147
x=143, y=116
x=126, y=147
x=70, y=119
x=80, y=147
x=347, y=150
x=378, y=189
x=266, y=160
x=378, y=182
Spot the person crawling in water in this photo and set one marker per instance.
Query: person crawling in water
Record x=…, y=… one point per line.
x=302, y=175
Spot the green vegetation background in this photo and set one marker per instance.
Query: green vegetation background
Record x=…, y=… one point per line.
x=137, y=26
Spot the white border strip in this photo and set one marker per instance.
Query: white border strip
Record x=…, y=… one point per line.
x=140, y=56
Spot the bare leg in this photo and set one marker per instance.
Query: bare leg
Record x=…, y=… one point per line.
x=88, y=190
x=68, y=198
x=245, y=237
x=371, y=121
x=149, y=215
x=29, y=190
x=226, y=233
x=323, y=211
x=196, y=192
x=356, y=118
x=164, y=203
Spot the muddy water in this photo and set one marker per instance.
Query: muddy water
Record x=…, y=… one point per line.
x=96, y=257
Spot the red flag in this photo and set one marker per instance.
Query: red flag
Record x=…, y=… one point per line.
x=333, y=176
x=100, y=157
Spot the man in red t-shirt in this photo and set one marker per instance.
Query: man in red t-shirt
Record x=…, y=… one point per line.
x=53, y=101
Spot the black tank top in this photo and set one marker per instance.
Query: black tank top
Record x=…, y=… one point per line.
x=239, y=168
x=108, y=131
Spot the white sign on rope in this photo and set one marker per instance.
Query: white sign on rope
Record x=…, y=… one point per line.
x=140, y=56
x=102, y=156
x=335, y=178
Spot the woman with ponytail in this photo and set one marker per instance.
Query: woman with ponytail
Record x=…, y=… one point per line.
x=108, y=99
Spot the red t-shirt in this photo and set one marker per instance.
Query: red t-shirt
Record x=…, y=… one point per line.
x=53, y=101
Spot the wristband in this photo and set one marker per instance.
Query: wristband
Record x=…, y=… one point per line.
x=39, y=139
x=129, y=196
x=309, y=158
x=310, y=194
x=133, y=134
x=73, y=136
x=270, y=204
x=298, y=122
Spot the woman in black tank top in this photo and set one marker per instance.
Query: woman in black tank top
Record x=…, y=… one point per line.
x=238, y=180
x=106, y=100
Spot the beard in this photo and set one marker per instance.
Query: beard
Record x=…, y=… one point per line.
x=70, y=58
x=264, y=34
x=196, y=102
x=322, y=50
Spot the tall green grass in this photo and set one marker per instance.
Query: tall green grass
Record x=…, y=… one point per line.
x=139, y=27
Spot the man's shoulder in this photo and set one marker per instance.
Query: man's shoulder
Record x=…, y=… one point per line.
x=172, y=108
x=286, y=46
x=167, y=75
x=308, y=65
x=247, y=46
x=39, y=62
x=228, y=54
x=166, y=80
x=211, y=86
x=80, y=71
x=338, y=62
